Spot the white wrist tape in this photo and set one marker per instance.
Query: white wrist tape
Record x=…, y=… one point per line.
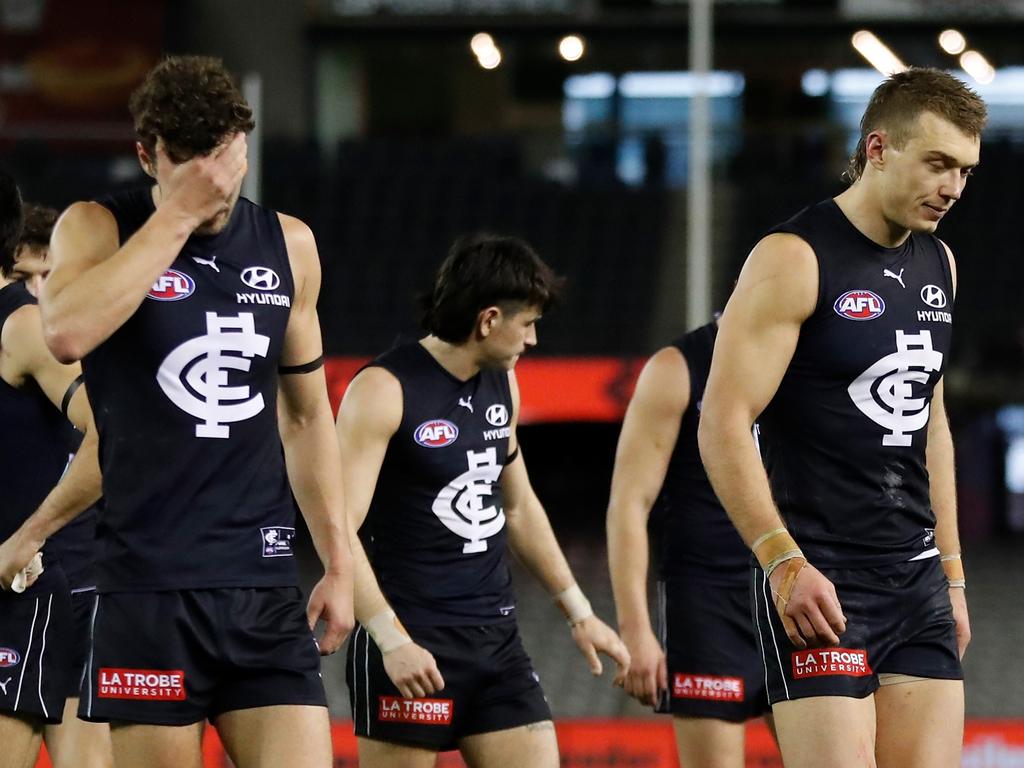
x=387, y=631
x=574, y=605
x=32, y=570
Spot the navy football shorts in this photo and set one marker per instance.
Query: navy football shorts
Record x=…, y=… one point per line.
x=36, y=630
x=179, y=657
x=898, y=620
x=489, y=680
x=714, y=667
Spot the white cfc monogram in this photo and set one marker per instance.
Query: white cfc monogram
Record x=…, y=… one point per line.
x=463, y=506
x=194, y=376
x=884, y=392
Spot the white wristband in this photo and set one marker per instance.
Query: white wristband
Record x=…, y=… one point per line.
x=34, y=569
x=574, y=605
x=387, y=631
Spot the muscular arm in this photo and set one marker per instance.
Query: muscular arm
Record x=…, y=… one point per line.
x=370, y=414
x=25, y=357
x=648, y=437
x=757, y=336
x=533, y=542
x=311, y=453
x=97, y=283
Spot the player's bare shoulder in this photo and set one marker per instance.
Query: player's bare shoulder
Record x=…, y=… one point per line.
x=302, y=252
x=779, y=278
x=86, y=232
x=373, y=402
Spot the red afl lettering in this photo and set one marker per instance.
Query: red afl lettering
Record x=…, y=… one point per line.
x=395, y=709
x=859, y=305
x=436, y=433
x=172, y=285
x=141, y=684
x=830, y=661
x=707, y=687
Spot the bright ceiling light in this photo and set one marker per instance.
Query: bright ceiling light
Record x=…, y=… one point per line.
x=571, y=48
x=877, y=53
x=481, y=43
x=952, y=41
x=490, y=58
x=977, y=66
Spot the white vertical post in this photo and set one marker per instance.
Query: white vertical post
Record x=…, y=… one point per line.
x=698, y=238
x=252, y=90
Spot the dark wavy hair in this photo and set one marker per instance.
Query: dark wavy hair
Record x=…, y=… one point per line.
x=484, y=270
x=898, y=102
x=10, y=221
x=38, y=226
x=192, y=103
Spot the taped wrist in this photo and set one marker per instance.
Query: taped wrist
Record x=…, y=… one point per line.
x=387, y=631
x=574, y=604
x=953, y=567
x=775, y=548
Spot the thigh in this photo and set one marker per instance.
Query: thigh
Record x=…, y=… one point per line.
x=920, y=724
x=20, y=738
x=527, y=746
x=157, y=746
x=76, y=743
x=383, y=754
x=842, y=728
x=714, y=667
x=267, y=737
x=703, y=742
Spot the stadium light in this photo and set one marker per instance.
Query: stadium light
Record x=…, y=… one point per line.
x=977, y=66
x=877, y=53
x=952, y=41
x=481, y=43
x=490, y=58
x=571, y=48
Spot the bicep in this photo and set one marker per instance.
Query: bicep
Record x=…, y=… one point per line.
x=759, y=330
x=302, y=340
x=53, y=377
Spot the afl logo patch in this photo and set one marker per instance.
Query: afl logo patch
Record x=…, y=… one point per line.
x=261, y=278
x=859, y=305
x=172, y=285
x=436, y=433
x=9, y=657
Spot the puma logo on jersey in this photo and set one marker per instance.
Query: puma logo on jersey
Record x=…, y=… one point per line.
x=3, y=685
x=464, y=507
x=211, y=262
x=195, y=374
x=467, y=403
x=885, y=391
x=859, y=305
x=898, y=278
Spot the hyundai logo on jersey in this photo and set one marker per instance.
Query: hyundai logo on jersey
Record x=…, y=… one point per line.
x=172, y=285
x=436, y=433
x=859, y=305
x=261, y=278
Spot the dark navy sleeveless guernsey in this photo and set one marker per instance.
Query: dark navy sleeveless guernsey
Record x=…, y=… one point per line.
x=185, y=399
x=435, y=530
x=32, y=452
x=696, y=539
x=845, y=436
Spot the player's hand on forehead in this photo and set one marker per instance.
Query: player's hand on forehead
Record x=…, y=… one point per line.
x=202, y=185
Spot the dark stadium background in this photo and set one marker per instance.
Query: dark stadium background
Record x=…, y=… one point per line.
x=379, y=127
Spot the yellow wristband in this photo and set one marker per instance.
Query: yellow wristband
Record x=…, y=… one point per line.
x=774, y=548
x=953, y=567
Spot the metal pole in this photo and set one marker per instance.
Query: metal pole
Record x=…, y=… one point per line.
x=252, y=90
x=698, y=240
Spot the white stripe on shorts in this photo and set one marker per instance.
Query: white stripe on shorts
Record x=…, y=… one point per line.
x=766, y=589
x=42, y=652
x=92, y=652
x=760, y=637
x=28, y=655
x=366, y=676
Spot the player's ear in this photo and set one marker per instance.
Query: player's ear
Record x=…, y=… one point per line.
x=147, y=162
x=487, y=320
x=875, y=144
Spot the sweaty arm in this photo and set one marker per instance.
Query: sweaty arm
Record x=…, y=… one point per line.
x=942, y=488
x=311, y=453
x=533, y=542
x=25, y=356
x=648, y=437
x=96, y=283
x=757, y=336
x=370, y=414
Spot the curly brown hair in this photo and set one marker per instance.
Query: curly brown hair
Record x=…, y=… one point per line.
x=191, y=103
x=38, y=226
x=898, y=102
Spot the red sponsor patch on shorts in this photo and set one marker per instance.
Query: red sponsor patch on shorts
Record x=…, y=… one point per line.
x=395, y=709
x=830, y=661
x=707, y=687
x=141, y=684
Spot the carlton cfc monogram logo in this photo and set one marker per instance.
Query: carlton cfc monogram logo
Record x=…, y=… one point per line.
x=885, y=391
x=461, y=504
x=194, y=376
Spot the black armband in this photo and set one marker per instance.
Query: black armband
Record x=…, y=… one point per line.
x=512, y=456
x=70, y=393
x=312, y=365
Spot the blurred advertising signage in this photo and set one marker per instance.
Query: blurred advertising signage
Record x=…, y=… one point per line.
x=67, y=67
x=929, y=9
x=449, y=7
